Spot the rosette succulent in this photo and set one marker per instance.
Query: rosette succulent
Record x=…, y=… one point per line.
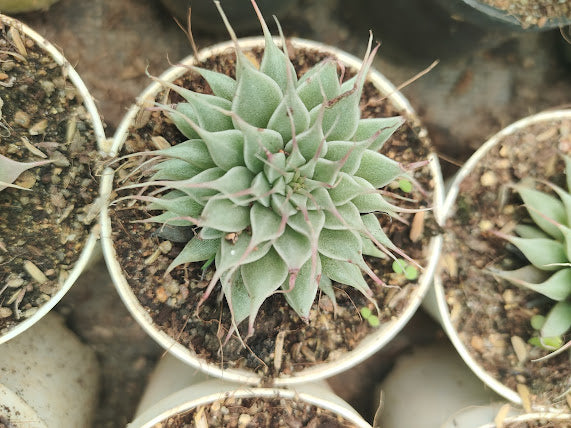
x=279, y=180
x=547, y=246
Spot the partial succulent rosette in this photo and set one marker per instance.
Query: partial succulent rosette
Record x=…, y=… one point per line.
x=546, y=244
x=280, y=181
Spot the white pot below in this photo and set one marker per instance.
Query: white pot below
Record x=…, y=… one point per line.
x=48, y=378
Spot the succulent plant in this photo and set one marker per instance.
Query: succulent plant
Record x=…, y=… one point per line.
x=280, y=178
x=547, y=247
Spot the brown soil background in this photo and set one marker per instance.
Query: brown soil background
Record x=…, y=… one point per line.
x=497, y=79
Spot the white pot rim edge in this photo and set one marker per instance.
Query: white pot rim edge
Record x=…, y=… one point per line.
x=165, y=409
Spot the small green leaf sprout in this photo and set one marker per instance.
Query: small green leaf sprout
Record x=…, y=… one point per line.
x=405, y=185
x=367, y=314
x=400, y=266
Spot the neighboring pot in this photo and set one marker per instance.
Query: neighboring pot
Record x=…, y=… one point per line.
x=82, y=126
x=435, y=382
x=482, y=14
x=164, y=398
x=438, y=301
x=48, y=378
x=492, y=415
x=205, y=16
x=371, y=343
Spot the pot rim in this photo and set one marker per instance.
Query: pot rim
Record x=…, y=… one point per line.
x=530, y=417
x=510, y=20
x=367, y=346
x=446, y=212
x=214, y=390
x=99, y=132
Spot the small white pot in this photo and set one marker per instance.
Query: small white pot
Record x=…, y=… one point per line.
x=370, y=344
x=436, y=384
x=485, y=417
x=48, y=378
x=436, y=299
x=164, y=396
x=86, y=257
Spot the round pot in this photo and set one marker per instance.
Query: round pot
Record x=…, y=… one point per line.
x=87, y=250
x=434, y=380
x=370, y=344
x=485, y=417
x=164, y=398
x=436, y=301
x=486, y=16
x=205, y=16
x=48, y=378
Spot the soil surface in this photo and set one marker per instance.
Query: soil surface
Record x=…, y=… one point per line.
x=256, y=413
x=469, y=96
x=534, y=12
x=172, y=300
x=492, y=316
x=539, y=424
x=43, y=230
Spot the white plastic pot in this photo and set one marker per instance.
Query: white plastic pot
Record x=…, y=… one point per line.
x=486, y=16
x=87, y=252
x=485, y=417
x=163, y=398
x=48, y=378
x=435, y=302
x=370, y=344
x=436, y=384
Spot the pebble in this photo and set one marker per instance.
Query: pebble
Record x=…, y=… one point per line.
x=243, y=420
x=488, y=179
x=485, y=225
x=165, y=246
x=519, y=347
x=5, y=312
x=35, y=272
x=22, y=118
x=161, y=294
x=39, y=127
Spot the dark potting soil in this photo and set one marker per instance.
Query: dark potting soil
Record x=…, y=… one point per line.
x=540, y=423
x=276, y=412
x=43, y=230
x=491, y=315
x=172, y=300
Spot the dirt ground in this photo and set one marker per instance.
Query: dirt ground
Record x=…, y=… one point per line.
x=486, y=80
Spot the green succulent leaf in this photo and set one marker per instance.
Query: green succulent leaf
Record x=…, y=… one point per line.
x=302, y=295
x=542, y=253
x=344, y=273
x=556, y=287
x=542, y=208
x=558, y=320
x=224, y=215
x=196, y=250
x=262, y=278
x=380, y=127
x=222, y=86
x=378, y=169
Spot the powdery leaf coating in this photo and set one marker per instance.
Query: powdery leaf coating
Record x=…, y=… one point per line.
x=287, y=167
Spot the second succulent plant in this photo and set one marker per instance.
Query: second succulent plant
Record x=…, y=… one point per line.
x=546, y=244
